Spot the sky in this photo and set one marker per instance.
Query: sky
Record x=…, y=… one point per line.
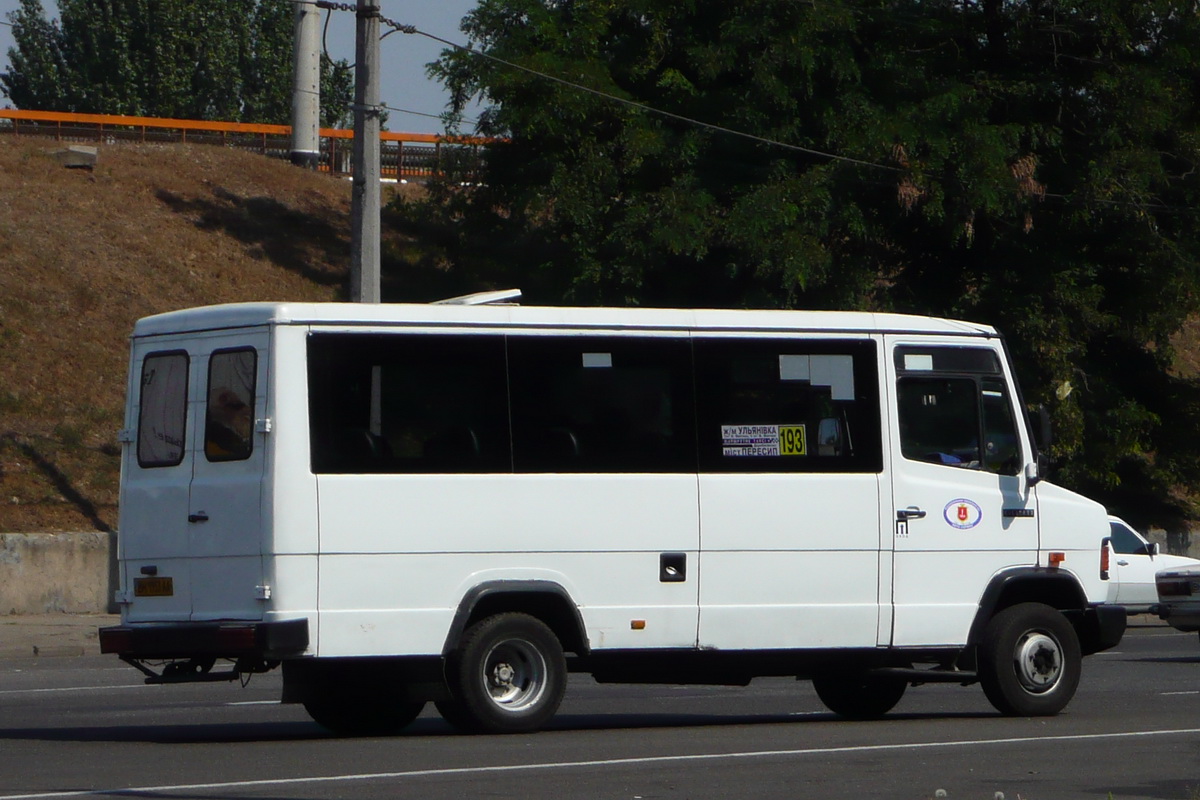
x=402, y=57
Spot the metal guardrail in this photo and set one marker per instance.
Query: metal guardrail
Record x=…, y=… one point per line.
x=405, y=156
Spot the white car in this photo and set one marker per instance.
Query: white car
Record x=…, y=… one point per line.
x=1132, y=567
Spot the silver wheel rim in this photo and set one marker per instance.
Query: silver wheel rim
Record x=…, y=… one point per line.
x=514, y=675
x=1039, y=662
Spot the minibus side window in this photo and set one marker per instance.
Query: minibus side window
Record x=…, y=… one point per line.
x=788, y=406
x=602, y=404
x=229, y=412
x=407, y=403
x=162, y=410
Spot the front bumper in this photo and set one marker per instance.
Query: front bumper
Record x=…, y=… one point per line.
x=1183, y=615
x=223, y=639
x=1100, y=628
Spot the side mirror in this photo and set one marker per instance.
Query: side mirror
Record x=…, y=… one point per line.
x=1152, y=549
x=1045, y=429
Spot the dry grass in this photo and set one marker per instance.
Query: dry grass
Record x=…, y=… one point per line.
x=84, y=254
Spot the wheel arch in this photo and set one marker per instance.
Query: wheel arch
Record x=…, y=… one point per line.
x=1053, y=587
x=545, y=600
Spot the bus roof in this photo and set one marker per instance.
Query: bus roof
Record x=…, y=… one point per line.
x=386, y=315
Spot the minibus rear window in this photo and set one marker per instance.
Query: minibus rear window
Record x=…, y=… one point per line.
x=229, y=414
x=162, y=410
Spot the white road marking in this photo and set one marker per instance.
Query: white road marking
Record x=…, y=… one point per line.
x=75, y=689
x=1168, y=694
x=609, y=762
x=254, y=703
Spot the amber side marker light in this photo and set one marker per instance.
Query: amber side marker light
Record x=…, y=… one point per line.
x=1057, y=558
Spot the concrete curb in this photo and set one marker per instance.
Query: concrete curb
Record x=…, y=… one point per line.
x=52, y=635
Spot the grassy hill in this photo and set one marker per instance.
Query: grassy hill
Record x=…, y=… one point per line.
x=84, y=254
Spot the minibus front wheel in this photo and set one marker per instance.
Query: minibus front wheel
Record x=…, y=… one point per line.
x=508, y=675
x=1029, y=660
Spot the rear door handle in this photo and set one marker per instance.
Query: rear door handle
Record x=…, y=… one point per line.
x=200, y=516
x=910, y=513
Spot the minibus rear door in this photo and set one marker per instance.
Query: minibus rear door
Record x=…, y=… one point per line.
x=225, y=517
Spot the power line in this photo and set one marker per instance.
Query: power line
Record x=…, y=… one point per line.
x=412, y=29
x=423, y=113
x=651, y=109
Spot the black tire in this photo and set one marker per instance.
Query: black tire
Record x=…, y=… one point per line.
x=860, y=695
x=356, y=710
x=1029, y=661
x=453, y=712
x=508, y=675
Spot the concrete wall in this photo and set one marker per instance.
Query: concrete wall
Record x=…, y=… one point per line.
x=57, y=572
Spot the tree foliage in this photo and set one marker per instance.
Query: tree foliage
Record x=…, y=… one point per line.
x=1034, y=164
x=188, y=59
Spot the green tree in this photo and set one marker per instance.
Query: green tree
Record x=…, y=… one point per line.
x=337, y=93
x=1031, y=164
x=191, y=59
x=38, y=69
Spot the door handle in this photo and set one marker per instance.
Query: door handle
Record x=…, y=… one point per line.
x=910, y=513
x=199, y=516
x=1123, y=563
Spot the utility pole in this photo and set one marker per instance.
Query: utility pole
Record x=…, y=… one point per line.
x=365, y=197
x=306, y=86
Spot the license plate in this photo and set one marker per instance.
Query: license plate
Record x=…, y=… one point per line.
x=153, y=587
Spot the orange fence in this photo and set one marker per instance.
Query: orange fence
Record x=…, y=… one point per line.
x=403, y=155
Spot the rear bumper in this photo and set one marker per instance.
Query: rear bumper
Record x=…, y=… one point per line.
x=269, y=640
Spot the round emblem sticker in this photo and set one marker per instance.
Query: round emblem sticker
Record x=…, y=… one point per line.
x=962, y=513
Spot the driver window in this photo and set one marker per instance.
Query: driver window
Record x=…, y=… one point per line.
x=939, y=421
x=943, y=420
x=1125, y=542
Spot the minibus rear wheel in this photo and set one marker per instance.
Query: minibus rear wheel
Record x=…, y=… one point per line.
x=508, y=675
x=859, y=696
x=1029, y=660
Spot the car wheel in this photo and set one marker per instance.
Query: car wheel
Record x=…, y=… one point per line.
x=1029, y=660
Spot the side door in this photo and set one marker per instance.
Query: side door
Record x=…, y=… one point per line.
x=225, y=518
x=791, y=511
x=962, y=508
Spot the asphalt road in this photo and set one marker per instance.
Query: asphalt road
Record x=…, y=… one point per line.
x=86, y=726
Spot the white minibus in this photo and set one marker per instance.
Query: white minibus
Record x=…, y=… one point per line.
x=462, y=503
